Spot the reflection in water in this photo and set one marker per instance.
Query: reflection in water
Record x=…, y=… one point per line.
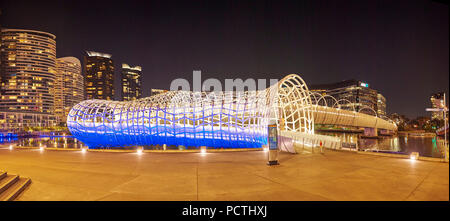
x=71, y=142
x=51, y=142
x=426, y=146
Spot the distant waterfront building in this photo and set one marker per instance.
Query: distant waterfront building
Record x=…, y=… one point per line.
x=381, y=105
x=437, y=101
x=131, y=82
x=28, y=73
x=350, y=93
x=157, y=91
x=99, y=76
x=420, y=122
x=69, y=87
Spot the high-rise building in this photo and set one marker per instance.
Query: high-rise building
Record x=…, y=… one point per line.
x=28, y=72
x=69, y=86
x=437, y=101
x=350, y=93
x=99, y=76
x=381, y=105
x=131, y=82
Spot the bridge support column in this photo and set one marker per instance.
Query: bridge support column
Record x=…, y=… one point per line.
x=370, y=132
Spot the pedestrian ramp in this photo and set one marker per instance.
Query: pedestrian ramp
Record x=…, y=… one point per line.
x=297, y=142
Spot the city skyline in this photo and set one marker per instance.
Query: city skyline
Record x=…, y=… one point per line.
x=224, y=42
x=238, y=101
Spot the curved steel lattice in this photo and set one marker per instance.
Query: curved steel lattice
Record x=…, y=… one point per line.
x=213, y=119
x=294, y=105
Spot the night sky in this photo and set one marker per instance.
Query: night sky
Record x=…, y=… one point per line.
x=400, y=48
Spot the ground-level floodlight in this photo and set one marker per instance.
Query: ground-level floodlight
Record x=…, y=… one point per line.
x=203, y=150
x=414, y=156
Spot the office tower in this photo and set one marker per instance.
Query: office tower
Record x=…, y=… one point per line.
x=349, y=94
x=99, y=76
x=69, y=86
x=381, y=105
x=27, y=78
x=131, y=82
x=437, y=101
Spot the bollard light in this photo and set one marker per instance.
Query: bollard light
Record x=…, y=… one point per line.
x=11, y=147
x=139, y=151
x=414, y=156
x=203, y=151
x=41, y=148
x=83, y=150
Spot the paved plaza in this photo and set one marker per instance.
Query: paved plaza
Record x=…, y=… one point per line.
x=229, y=176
